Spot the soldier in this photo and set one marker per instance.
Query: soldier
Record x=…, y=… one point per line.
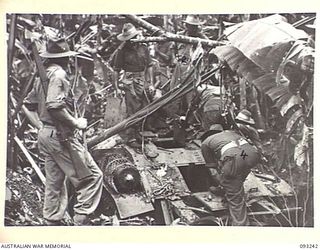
x=210, y=105
x=193, y=29
x=59, y=127
x=135, y=61
x=230, y=158
x=184, y=58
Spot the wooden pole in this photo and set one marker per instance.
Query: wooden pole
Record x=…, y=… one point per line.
x=11, y=152
x=11, y=43
x=150, y=39
x=170, y=36
x=178, y=38
x=148, y=26
x=30, y=159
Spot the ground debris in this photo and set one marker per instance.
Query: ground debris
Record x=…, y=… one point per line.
x=25, y=206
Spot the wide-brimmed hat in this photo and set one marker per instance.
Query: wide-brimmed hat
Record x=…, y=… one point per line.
x=128, y=32
x=57, y=48
x=193, y=20
x=214, y=128
x=245, y=116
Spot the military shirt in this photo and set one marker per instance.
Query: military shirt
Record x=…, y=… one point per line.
x=132, y=59
x=212, y=145
x=57, y=94
x=186, y=50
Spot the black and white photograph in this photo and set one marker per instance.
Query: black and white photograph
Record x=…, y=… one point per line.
x=160, y=119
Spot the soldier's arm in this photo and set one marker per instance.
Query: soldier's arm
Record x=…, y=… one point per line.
x=62, y=115
x=56, y=104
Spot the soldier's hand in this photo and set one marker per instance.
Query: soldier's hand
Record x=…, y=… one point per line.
x=81, y=123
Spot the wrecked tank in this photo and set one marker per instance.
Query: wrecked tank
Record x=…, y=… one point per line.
x=171, y=181
x=173, y=185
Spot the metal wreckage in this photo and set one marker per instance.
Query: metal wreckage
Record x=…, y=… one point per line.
x=258, y=64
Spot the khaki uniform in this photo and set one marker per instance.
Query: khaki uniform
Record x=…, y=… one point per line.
x=210, y=109
x=236, y=157
x=134, y=60
x=58, y=164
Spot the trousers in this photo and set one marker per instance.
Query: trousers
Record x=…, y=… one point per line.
x=134, y=85
x=58, y=167
x=236, y=165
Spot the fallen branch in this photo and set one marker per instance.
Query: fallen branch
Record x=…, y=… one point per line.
x=179, y=38
x=167, y=36
x=148, y=26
